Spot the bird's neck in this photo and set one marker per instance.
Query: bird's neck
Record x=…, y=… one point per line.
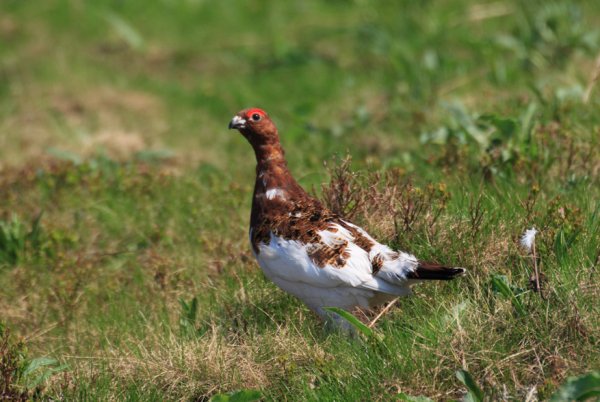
x=271, y=168
x=274, y=182
x=269, y=153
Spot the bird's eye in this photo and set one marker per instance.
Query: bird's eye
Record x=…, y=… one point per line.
x=255, y=117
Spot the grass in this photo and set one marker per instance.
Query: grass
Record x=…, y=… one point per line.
x=124, y=201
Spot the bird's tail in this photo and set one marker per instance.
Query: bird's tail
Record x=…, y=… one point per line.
x=433, y=271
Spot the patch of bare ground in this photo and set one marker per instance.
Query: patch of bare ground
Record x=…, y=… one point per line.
x=104, y=103
x=85, y=122
x=8, y=27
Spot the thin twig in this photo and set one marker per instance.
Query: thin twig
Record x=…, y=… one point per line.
x=535, y=268
x=385, y=310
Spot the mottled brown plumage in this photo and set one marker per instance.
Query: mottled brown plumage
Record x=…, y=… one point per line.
x=293, y=214
x=308, y=250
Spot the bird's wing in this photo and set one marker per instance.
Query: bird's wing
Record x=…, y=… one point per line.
x=336, y=260
x=393, y=267
x=402, y=269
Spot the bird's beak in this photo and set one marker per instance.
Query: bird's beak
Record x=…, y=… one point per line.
x=237, y=122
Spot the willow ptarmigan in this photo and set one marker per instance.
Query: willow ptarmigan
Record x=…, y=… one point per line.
x=309, y=251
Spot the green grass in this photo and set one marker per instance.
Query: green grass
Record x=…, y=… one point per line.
x=467, y=123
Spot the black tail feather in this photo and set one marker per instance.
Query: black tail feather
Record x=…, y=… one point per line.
x=433, y=271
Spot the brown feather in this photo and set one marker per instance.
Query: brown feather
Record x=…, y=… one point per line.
x=294, y=215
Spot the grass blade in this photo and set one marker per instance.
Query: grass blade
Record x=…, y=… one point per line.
x=352, y=320
x=125, y=30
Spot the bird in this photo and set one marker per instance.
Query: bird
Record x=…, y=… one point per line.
x=313, y=253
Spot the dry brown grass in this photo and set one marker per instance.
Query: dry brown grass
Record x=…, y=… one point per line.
x=201, y=366
x=389, y=204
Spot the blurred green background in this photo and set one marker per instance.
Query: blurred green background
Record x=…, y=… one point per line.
x=360, y=75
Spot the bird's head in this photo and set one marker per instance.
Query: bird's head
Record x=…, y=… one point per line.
x=255, y=125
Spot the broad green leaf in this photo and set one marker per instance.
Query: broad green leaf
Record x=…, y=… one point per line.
x=352, y=320
x=45, y=367
x=580, y=388
x=474, y=393
x=37, y=363
x=44, y=375
x=500, y=285
x=506, y=127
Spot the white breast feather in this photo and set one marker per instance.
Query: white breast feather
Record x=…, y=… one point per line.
x=275, y=193
x=289, y=260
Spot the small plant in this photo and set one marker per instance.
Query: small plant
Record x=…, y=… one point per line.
x=501, y=285
x=498, y=141
x=549, y=35
x=582, y=388
x=187, y=319
x=340, y=193
x=565, y=224
x=12, y=240
x=12, y=362
x=18, y=374
x=38, y=370
x=386, y=202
